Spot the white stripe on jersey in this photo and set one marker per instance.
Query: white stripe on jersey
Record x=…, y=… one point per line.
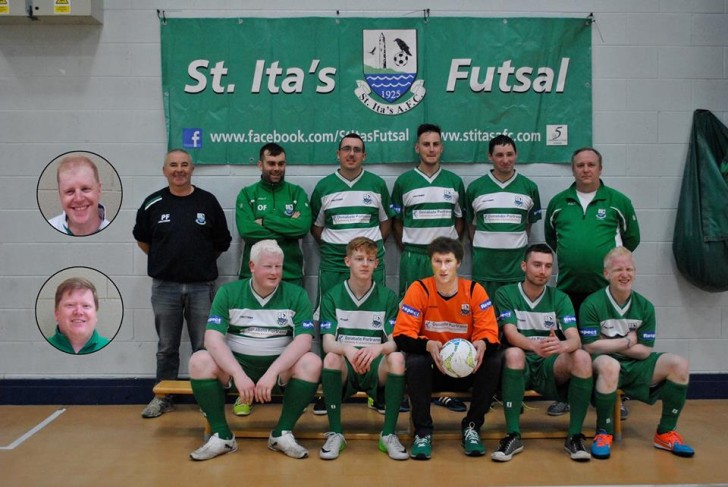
x=500, y=240
x=618, y=327
x=434, y=195
x=424, y=236
x=446, y=327
x=259, y=347
x=359, y=320
x=431, y=214
x=346, y=235
x=359, y=341
x=502, y=200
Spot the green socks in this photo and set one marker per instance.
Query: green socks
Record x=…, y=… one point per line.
x=513, y=386
x=331, y=384
x=393, y=394
x=210, y=396
x=604, y=404
x=673, y=399
x=580, y=391
x=296, y=398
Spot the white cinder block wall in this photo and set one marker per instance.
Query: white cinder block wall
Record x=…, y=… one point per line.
x=98, y=88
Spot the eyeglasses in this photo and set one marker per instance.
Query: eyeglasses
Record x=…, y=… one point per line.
x=348, y=148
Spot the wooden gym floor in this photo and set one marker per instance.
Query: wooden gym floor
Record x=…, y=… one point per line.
x=113, y=446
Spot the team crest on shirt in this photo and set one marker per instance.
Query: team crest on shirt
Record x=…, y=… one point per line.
x=200, y=219
x=377, y=321
x=289, y=210
x=447, y=195
x=601, y=214
x=519, y=201
x=368, y=199
x=549, y=322
x=282, y=318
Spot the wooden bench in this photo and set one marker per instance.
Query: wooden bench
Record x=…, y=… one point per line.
x=184, y=387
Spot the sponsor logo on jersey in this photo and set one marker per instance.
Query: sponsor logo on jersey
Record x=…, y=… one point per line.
x=410, y=311
x=465, y=309
x=307, y=325
x=588, y=332
x=569, y=319
x=200, y=220
x=289, y=210
x=325, y=325
x=485, y=304
x=282, y=319
x=165, y=218
x=505, y=315
x=649, y=335
x=214, y=320
x=601, y=214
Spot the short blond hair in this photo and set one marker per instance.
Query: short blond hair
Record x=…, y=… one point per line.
x=615, y=253
x=73, y=162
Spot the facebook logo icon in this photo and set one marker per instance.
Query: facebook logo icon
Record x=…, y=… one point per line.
x=192, y=138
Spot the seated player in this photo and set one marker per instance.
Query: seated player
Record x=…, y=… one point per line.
x=618, y=328
x=357, y=318
x=530, y=313
x=258, y=339
x=435, y=310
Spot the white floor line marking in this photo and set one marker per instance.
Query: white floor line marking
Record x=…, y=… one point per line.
x=33, y=431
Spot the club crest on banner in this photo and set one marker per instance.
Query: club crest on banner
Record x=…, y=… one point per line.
x=389, y=63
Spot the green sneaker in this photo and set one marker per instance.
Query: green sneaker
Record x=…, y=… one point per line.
x=472, y=444
x=421, y=448
x=241, y=409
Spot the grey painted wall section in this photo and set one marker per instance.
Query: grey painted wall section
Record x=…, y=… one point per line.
x=98, y=88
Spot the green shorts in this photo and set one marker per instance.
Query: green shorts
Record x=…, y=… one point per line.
x=254, y=368
x=368, y=382
x=413, y=265
x=539, y=376
x=635, y=379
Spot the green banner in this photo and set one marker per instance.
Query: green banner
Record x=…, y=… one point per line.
x=232, y=85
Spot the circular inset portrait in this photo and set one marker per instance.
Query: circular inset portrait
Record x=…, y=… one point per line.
x=79, y=310
x=79, y=193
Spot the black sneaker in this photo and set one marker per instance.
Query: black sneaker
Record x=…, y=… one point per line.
x=404, y=407
x=558, y=409
x=623, y=411
x=509, y=446
x=451, y=403
x=574, y=446
x=319, y=407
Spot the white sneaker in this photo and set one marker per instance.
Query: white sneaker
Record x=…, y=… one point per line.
x=335, y=443
x=391, y=445
x=287, y=444
x=215, y=446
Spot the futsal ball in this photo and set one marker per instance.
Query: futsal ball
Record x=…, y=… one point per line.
x=458, y=357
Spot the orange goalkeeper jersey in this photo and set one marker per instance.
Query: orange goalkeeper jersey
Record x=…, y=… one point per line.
x=468, y=314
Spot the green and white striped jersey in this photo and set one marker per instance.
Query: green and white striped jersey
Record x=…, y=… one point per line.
x=359, y=322
x=501, y=211
x=347, y=209
x=260, y=327
x=428, y=205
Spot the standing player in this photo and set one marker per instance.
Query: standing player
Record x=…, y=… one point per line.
x=427, y=201
x=530, y=312
x=357, y=318
x=351, y=202
x=274, y=209
x=582, y=224
x=618, y=328
x=502, y=206
x=258, y=339
x=183, y=230
x=435, y=310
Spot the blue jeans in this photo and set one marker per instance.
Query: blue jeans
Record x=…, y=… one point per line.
x=173, y=303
